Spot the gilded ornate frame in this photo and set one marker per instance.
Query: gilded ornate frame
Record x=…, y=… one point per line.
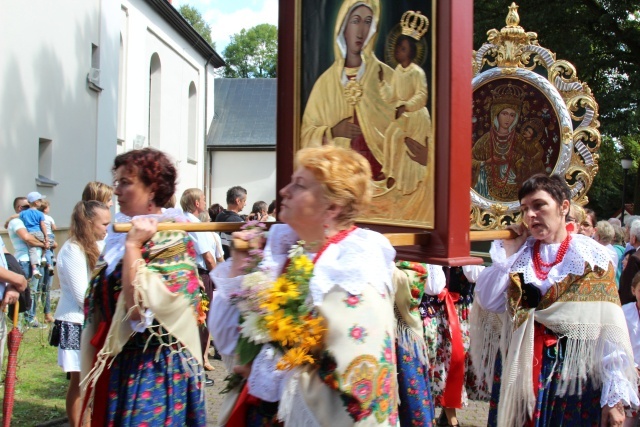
x=513, y=54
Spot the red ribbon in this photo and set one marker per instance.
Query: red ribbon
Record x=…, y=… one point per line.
x=452, y=395
x=238, y=415
x=101, y=395
x=541, y=340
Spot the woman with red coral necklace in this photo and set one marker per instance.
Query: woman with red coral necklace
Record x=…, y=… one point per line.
x=548, y=331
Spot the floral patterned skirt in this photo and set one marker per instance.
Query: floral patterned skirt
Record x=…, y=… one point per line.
x=416, y=405
x=144, y=391
x=553, y=410
x=263, y=414
x=438, y=339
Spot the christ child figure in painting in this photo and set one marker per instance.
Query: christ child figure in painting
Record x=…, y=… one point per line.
x=407, y=93
x=497, y=153
x=531, y=163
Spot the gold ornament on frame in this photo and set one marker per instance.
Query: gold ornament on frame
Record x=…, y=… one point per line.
x=531, y=115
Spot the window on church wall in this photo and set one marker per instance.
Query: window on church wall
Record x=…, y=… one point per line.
x=121, y=100
x=95, y=56
x=192, y=156
x=45, y=163
x=155, y=76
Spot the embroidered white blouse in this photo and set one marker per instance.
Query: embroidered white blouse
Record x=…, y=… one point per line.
x=341, y=265
x=491, y=286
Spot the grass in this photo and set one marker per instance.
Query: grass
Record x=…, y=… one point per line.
x=41, y=386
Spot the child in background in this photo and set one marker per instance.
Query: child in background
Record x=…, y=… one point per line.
x=34, y=222
x=51, y=227
x=408, y=93
x=632, y=314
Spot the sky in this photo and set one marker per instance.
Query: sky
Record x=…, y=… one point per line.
x=228, y=17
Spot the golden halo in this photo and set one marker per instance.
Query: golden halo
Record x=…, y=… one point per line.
x=390, y=48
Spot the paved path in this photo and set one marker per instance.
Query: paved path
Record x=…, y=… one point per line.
x=473, y=416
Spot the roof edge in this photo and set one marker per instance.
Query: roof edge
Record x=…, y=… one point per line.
x=241, y=148
x=180, y=24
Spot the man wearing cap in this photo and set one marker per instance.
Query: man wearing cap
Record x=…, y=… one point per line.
x=34, y=221
x=21, y=240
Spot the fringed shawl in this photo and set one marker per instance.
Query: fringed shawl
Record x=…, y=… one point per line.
x=409, y=282
x=583, y=309
x=167, y=287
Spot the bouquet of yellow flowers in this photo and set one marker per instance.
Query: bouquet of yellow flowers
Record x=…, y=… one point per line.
x=280, y=312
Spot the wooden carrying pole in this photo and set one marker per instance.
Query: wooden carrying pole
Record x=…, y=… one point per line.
x=396, y=239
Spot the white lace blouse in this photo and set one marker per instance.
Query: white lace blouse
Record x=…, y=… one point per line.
x=363, y=258
x=491, y=286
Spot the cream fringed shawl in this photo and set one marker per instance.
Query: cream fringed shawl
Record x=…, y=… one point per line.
x=355, y=383
x=584, y=309
x=168, y=288
x=411, y=281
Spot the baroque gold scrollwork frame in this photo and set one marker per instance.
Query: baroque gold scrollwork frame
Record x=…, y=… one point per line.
x=512, y=62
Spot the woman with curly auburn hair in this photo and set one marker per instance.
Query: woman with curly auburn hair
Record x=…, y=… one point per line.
x=142, y=362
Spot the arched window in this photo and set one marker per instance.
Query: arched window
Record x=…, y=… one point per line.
x=192, y=123
x=121, y=100
x=155, y=74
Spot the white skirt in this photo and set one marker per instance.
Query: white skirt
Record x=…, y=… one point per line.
x=69, y=360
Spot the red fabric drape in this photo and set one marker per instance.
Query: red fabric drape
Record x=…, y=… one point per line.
x=452, y=395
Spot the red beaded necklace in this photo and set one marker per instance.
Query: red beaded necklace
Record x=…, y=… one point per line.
x=336, y=238
x=538, y=264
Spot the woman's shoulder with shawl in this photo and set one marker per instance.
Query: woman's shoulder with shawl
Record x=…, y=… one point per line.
x=363, y=258
x=590, y=251
x=372, y=242
x=585, y=245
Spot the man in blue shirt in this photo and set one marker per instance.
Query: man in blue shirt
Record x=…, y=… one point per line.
x=20, y=239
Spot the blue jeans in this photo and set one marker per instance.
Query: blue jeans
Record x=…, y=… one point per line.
x=45, y=290
x=48, y=253
x=42, y=285
x=29, y=315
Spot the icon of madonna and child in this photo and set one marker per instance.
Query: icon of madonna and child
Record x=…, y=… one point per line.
x=512, y=141
x=363, y=103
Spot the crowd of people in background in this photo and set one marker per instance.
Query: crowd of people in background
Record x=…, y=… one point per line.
x=32, y=234
x=133, y=306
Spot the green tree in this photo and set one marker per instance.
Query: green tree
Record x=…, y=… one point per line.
x=198, y=23
x=601, y=39
x=252, y=53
